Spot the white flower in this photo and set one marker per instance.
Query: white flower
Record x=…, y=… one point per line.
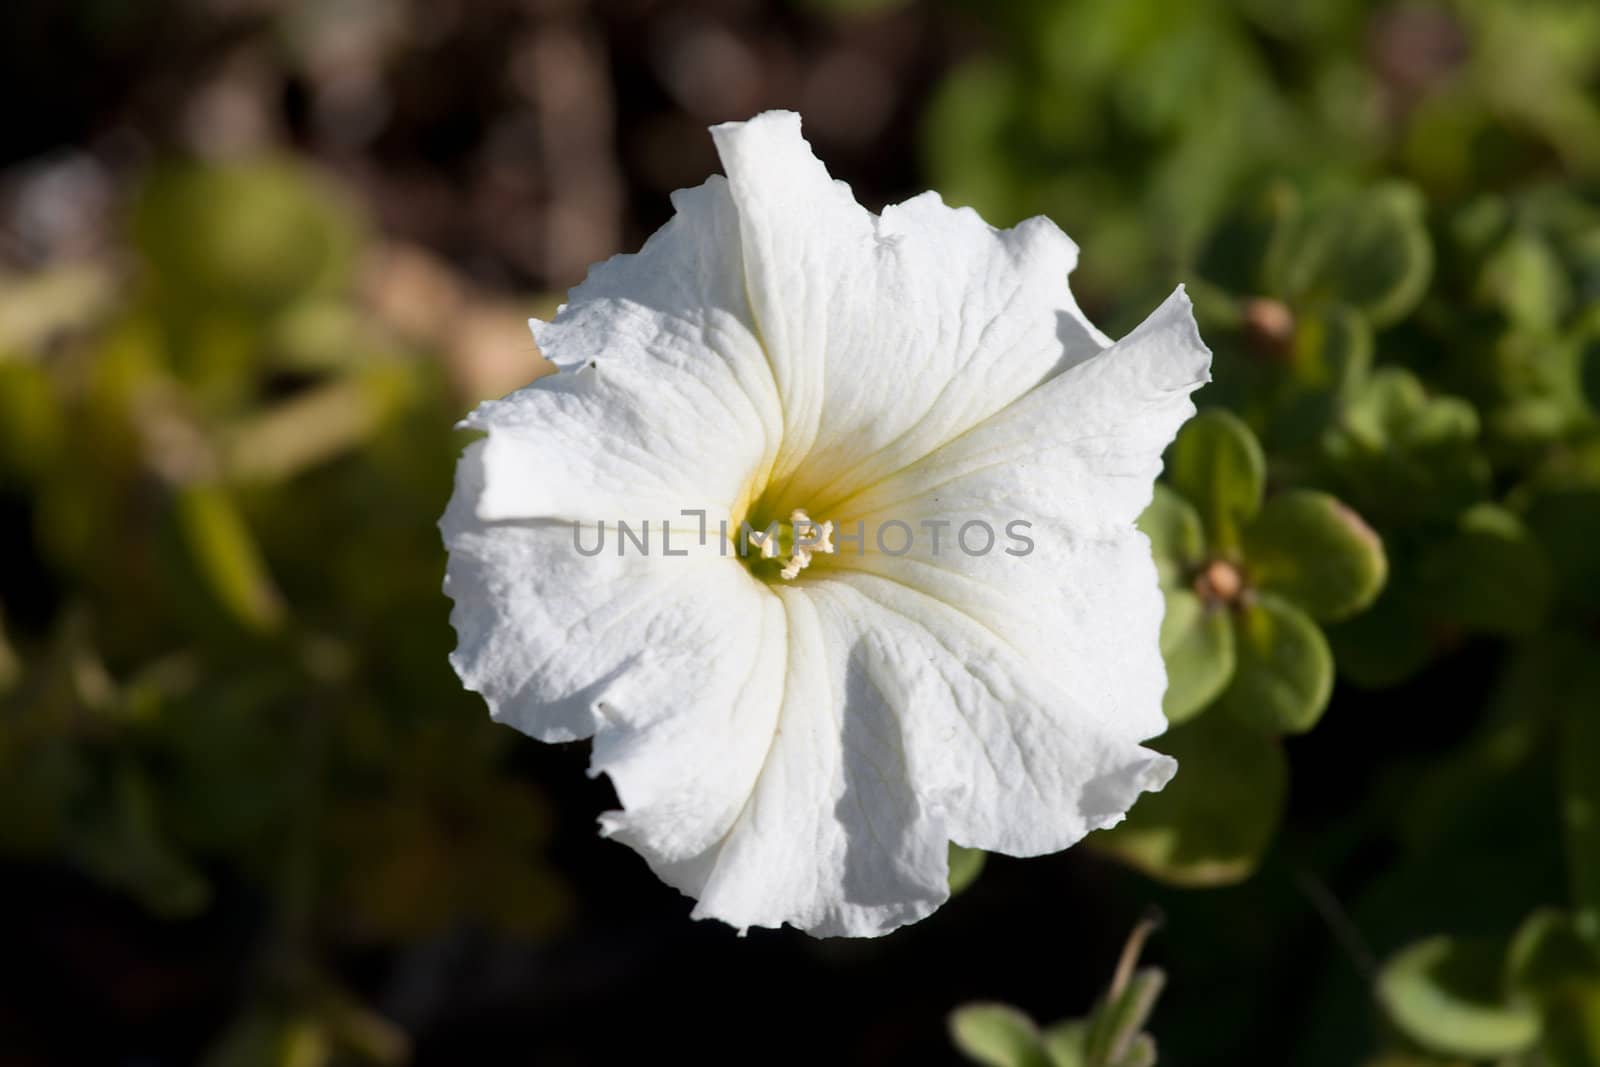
x=796, y=742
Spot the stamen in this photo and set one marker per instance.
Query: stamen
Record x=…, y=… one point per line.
x=809, y=537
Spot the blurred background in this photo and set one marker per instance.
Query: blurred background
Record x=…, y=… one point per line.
x=257, y=256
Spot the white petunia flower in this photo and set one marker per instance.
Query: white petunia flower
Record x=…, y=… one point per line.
x=795, y=733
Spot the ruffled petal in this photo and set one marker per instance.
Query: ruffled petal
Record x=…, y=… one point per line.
x=1072, y=589
x=887, y=336
x=556, y=639
x=758, y=771
x=997, y=757
x=663, y=399
x=833, y=838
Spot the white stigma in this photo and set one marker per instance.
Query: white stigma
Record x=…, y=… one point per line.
x=767, y=545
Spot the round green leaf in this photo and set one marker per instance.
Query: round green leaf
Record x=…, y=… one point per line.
x=1316, y=552
x=1217, y=463
x=1065, y=1042
x=1283, y=670
x=1370, y=250
x=1215, y=819
x=997, y=1035
x=1197, y=645
x=1447, y=995
x=1176, y=540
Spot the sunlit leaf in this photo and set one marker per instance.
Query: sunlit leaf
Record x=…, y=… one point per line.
x=1283, y=670
x=1216, y=463
x=997, y=1035
x=1448, y=995
x=1317, y=553
x=1197, y=644
x=1176, y=538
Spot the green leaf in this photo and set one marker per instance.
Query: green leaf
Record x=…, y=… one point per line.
x=1555, y=968
x=1317, y=553
x=1490, y=575
x=1525, y=280
x=1369, y=249
x=1549, y=952
x=1197, y=645
x=1283, y=673
x=1141, y=1053
x=1217, y=463
x=1065, y=1043
x=1215, y=819
x=226, y=555
x=965, y=866
x=1402, y=457
x=1176, y=539
x=1116, y=1024
x=997, y=1035
x=1447, y=995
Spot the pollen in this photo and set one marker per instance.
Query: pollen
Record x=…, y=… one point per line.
x=809, y=537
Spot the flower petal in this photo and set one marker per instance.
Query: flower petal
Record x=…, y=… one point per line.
x=663, y=399
x=928, y=305
x=833, y=840
x=551, y=637
x=1075, y=460
x=902, y=723
x=722, y=714
x=1000, y=759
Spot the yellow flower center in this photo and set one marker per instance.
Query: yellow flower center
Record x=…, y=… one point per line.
x=803, y=536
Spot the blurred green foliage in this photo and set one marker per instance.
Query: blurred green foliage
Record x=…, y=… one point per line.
x=1111, y=1035
x=231, y=469
x=1389, y=219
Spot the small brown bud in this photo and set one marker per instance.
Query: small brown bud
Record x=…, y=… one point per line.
x=1269, y=324
x=1219, y=582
